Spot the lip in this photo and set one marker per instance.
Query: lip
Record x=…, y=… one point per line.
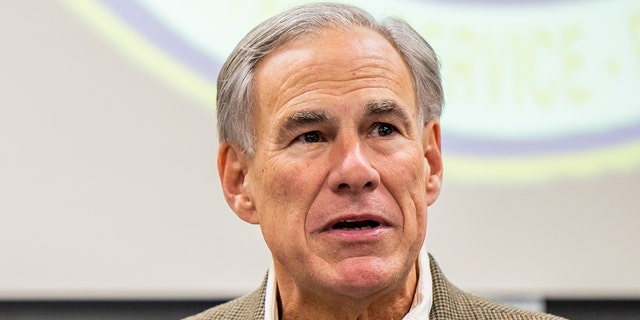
x=356, y=218
x=381, y=226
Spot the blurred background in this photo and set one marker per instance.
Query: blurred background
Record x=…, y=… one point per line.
x=110, y=205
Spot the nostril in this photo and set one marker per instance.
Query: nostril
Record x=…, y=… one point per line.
x=346, y=186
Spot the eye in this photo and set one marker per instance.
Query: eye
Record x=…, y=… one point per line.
x=384, y=129
x=310, y=137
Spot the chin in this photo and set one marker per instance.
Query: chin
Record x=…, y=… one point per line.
x=366, y=276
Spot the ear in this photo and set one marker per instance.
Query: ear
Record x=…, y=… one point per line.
x=433, y=157
x=233, y=166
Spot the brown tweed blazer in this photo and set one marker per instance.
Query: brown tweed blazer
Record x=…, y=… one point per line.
x=449, y=303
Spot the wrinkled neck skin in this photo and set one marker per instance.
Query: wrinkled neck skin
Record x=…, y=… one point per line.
x=391, y=303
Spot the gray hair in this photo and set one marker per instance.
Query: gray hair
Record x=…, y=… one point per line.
x=235, y=81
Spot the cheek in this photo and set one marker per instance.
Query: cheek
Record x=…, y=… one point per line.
x=406, y=181
x=286, y=189
x=408, y=170
x=288, y=182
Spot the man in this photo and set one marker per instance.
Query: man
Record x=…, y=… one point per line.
x=330, y=141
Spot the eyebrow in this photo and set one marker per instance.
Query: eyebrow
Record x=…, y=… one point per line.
x=386, y=107
x=303, y=118
x=299, y=119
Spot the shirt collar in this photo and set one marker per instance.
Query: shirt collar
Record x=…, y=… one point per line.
x=420, y=307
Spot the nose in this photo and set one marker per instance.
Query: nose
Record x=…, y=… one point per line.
x=352, y=171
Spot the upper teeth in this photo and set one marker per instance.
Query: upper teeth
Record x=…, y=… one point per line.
x=355, y=224
x=357, y=228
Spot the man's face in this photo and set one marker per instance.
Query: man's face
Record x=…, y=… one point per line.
x=343, y=171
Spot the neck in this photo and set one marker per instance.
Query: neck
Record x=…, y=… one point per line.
x=392, y=303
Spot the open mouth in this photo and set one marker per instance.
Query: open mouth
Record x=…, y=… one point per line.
x=350, y=225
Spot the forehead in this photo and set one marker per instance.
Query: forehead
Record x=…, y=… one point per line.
x=330, y=64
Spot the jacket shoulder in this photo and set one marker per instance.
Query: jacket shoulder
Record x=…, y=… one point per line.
x=449, y=302
x=250, y=306
x=488, y=309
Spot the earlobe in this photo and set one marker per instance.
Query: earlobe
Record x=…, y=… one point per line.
x=433, y=157
x=232, y=169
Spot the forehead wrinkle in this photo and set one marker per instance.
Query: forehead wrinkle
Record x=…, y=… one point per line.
x=331, y=77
